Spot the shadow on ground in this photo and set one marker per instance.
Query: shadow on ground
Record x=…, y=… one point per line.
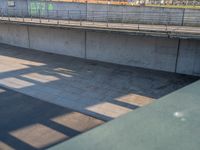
x=102, y=90
x=28, y=123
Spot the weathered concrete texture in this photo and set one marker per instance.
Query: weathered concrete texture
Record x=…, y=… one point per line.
x=28, y=123
x=169, y=124
x=189, y=57
x=105, y=91
x=146, y=52
x=14, y=35
x=59, y=41
x=139, y=51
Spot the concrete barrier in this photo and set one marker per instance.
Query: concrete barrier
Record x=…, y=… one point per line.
x=165, y=54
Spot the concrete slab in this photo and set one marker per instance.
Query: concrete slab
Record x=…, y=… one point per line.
x=29, y=123
x=169, y=124
x=103, y=90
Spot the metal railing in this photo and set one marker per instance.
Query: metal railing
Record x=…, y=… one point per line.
x=103, y=17
x=193, y=3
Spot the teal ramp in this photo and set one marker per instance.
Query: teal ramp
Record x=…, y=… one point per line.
x=172, y=123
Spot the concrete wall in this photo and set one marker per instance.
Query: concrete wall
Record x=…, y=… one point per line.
x=60, y=41
x=14, y=35
x=147, y=52
x=189, y=57
x=112, y=13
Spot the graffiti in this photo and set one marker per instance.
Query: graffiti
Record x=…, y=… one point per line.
x=50, y=7
x=39, y=8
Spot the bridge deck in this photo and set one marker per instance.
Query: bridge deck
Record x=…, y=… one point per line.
x=170, y=31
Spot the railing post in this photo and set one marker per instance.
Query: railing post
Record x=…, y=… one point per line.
x=23, y=15
x=68, y=17
x=183, y=17
x=57, y=16
x=1, y=14
x=39, y=15
x=8, y=15
x=15, y=14
x=31, y=14
x=107, y=18
x=122, y=17
x=80, y=19
x=93, y=16
x=48, y=14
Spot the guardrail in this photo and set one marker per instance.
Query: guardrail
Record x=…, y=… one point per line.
x=153, y=18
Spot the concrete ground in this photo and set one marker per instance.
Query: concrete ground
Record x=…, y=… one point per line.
x=103, y=90
x=46, y=98
x=28, y=123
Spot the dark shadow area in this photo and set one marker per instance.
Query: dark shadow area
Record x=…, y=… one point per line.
x=28, y=123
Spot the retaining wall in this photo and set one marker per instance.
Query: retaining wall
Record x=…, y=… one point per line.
x=147, y=52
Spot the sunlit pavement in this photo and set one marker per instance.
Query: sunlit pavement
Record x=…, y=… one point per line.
x=28, y=123
x=40, y=95
x=105, y=91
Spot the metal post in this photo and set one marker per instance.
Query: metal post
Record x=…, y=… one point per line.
x=183, y=17
x=93, y=16
x=8, y=15
x=15, y=14
x=48, y=14
x=80, y=19
x=107, y=18
x=57, y=16
x=1, y=13
x=122, y=17
x=39, y=15
x=68, y=17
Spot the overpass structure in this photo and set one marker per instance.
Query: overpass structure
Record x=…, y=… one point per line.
x=167, y=31
x=165, y=47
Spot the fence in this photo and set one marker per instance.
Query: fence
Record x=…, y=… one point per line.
x=131, y=17
x=139, y=2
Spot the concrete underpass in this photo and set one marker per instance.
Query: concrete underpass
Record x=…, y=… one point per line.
x=61, y=78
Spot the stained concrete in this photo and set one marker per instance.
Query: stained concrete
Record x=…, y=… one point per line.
x=60, y=41
x=103, y=90
x=146, y=52
x=28, y=123
x=14, y=35
x=189, y=57
x=166, y=54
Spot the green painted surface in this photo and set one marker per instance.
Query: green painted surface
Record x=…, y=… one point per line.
x=39, y=8
x=50, y=7
x=172, y=123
